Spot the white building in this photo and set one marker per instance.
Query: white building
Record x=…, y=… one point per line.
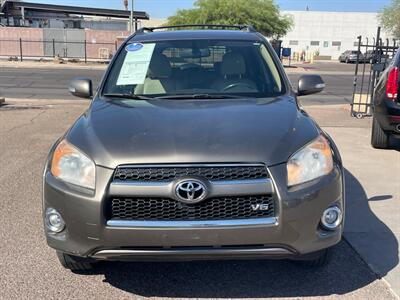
x=330, y=33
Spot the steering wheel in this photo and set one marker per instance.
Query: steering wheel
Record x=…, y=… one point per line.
x=233, y=85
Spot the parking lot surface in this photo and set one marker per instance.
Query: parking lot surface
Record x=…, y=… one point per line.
x=30, y=270
x=365, y=265
x=34, y=81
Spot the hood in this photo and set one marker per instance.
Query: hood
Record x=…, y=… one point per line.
x=120, y=132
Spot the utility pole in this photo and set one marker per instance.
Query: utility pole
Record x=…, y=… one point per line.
x=131, y=17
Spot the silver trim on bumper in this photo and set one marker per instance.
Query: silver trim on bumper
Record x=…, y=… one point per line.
x=273, y=251
x=215, y=189
x=273, y=221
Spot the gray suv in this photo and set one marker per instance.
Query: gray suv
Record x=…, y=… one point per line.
x=350, y=56
x=194, y=147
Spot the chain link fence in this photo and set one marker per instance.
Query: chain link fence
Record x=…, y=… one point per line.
x=20, y=49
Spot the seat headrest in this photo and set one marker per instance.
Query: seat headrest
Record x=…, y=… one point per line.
x=233, y=64
x=159, y=67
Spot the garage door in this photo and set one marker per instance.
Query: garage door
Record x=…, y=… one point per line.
x=68, y=43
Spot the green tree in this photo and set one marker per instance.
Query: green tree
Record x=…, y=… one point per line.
x=390, y=18
x=264, y=15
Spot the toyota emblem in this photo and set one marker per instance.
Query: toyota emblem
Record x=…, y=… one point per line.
x=191, y=191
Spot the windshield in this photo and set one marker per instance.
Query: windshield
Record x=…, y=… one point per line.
x=205, y=67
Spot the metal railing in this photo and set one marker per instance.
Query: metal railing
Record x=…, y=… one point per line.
x=20, y=49
x=373, y=57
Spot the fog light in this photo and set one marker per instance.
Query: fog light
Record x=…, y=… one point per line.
x=332, y=217
x=54, y=221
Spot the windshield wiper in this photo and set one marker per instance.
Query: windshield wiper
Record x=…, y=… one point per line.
x=201, y=96
x=128, y=96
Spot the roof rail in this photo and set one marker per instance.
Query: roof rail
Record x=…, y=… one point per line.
x=248, y=28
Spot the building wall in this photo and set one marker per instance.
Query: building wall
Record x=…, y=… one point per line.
x=38, y=42
x=152, y=22
x=105, y=39
x=105, y=24
x=32, y=41
x=330, y=33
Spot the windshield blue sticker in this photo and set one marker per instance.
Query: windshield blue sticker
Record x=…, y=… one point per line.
x=134, y=47
x=136, y=65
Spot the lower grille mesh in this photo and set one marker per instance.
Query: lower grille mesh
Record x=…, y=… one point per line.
x=165, y=209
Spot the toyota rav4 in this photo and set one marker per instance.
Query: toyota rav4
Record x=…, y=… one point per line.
x=194, y=147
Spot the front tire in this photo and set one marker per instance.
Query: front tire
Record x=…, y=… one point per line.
x=74, y=263
x=379, y=138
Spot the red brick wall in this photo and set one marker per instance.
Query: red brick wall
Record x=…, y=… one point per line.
x=97, y=39
x=32, y=44
x=9, y=41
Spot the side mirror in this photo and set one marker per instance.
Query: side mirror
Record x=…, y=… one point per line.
x=81, y=87
x=310, y=84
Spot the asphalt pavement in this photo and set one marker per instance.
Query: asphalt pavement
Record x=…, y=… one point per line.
x=36, y=82
x=42, y=83
x=30, y=270
x=365, y=265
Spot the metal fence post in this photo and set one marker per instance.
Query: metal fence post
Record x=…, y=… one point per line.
x=116, y=46
x=359, y=38
x=54, y=48
x=20, y=48
x=85, y=51
x=374, y=73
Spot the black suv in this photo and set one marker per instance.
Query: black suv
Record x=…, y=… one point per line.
x=371, y=56
x=386, y=121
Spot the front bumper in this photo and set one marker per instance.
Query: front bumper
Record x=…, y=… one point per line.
x=294, y=231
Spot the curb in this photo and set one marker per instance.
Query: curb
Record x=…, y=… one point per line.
x=301, y=70
x=47, y=65
x=51, y=102
x=373, y=270
x=345, y=107
x=330, y=106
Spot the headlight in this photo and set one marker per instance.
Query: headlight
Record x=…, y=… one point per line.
x=71, y=165
x=312, y=161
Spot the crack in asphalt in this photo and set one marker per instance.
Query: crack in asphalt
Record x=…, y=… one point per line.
x=30, y=122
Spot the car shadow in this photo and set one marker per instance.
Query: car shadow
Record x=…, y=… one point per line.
x=346, y=272
x=367, y=234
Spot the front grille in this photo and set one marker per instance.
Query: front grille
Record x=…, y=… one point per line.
x=165, y=209
x=208, y=172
